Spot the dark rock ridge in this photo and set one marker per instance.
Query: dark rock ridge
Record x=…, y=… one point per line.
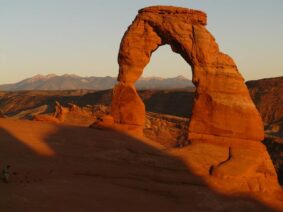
x=267, y=95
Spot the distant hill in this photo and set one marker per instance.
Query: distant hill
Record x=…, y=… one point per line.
x=73, y=82
x=267, y=95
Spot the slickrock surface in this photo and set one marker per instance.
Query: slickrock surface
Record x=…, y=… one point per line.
x=73, y=114
x=67, y=168
x=157, y=127
x=233, y=165
x=223, y=106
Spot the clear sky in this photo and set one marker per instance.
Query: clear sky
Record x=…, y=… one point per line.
x=83, y=36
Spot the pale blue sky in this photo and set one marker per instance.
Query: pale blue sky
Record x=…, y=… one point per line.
x=83, y=36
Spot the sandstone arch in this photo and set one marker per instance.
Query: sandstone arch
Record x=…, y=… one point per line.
x=222, y=105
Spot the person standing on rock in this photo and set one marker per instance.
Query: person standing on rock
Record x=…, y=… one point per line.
x=5, y=174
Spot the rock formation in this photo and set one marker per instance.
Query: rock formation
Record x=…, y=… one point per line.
x=222, y=107
x=73, y=114
x=225, y=127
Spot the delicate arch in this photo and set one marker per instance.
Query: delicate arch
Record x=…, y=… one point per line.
x=222, y=106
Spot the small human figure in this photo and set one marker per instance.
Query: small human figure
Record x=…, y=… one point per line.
x=5, y=174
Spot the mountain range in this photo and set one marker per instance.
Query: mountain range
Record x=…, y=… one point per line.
x=73, y=82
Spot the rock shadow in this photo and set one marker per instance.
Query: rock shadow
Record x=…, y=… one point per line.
x=103, y=171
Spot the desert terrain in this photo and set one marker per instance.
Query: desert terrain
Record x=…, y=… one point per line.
x=50, y=173
x=133, y=143
x=66, y=161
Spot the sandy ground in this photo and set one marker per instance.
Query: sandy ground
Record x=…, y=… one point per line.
x=64, y=168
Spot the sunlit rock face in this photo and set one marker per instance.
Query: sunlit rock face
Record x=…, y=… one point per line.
x=222, y=107
x=225, y=128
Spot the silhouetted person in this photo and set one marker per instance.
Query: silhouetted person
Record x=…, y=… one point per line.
x=5, y=174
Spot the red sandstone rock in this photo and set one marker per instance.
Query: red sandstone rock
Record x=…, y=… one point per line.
x=46, y=118
x=225, y=126
x=60, y=111
x=114, y=170
x=223, y=106
x=71, y=115
x=127, y=106
x=230, y=165
x=103, y=122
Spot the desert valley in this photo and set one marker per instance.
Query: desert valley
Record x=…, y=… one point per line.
x=132, y=143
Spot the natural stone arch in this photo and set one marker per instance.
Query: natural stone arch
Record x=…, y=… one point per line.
x=222, y=106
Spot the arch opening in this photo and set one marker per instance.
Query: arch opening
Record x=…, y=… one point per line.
x=169, y=78
x=166, y=64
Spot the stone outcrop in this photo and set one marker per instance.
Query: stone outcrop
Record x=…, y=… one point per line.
x=103, y=122
x=168, y=130
x=73, y=114
x=225, y=128
x=60, y=111
x=222, y=107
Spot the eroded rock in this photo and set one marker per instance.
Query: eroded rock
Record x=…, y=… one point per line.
x=223, y=106
x=225, y=127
